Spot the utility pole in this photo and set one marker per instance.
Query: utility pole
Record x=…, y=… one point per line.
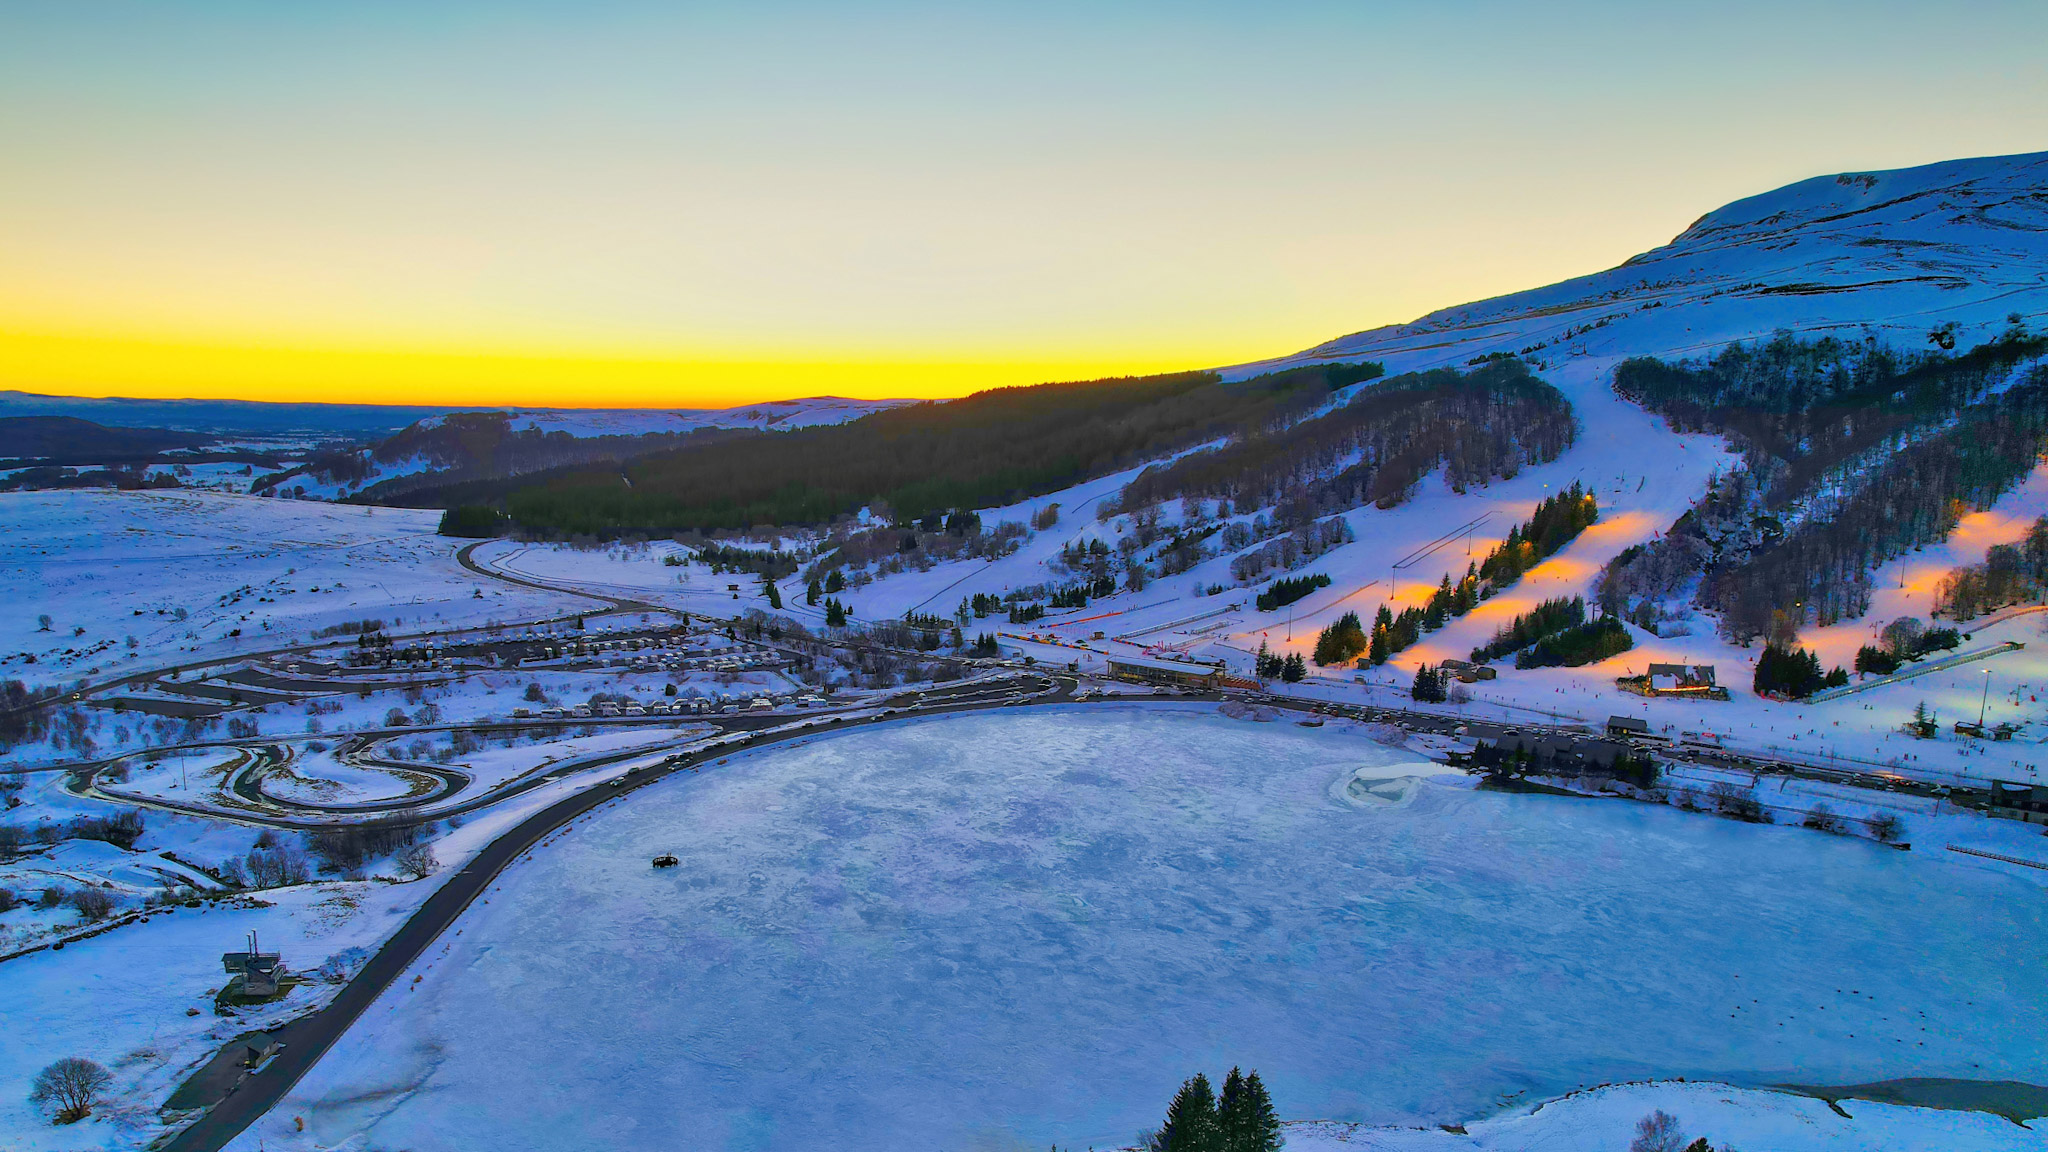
x=1982, y=704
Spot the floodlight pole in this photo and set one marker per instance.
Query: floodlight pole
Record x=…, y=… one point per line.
x=1985, y=702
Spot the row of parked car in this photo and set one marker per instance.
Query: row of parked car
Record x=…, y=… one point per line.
x=692, y=706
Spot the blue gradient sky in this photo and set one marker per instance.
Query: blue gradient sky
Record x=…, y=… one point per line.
x=674, y=204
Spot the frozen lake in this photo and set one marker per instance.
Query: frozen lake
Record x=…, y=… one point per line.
x=1011, y=929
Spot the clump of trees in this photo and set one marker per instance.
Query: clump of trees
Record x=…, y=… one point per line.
x=2010, y=574
x=1341, y=642
x=1556, y=522
x=1288, y=552
x=1270, y=665
x=1432, y=685
x=1287, y=590
x=1528, y=627
x=347, y=850
x=1793, y=673
x=1578, y=645
x=1240, y=1119
x=474, y=521
x=1902, y=640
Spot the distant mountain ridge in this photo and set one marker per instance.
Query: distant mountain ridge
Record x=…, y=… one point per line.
x=70, y=440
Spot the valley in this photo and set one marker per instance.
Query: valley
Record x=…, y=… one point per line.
x=1621, y=695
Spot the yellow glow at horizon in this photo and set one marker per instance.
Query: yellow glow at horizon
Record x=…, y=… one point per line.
x=72, y=365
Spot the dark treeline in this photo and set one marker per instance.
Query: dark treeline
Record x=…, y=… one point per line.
x=478, y=458
x=1287, y=590
x=1490, y=422
x=987, y=449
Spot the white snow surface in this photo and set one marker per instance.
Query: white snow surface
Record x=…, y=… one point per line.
x=1007, y=930
x=117, y=564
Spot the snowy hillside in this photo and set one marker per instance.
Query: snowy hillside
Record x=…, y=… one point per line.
x=1906, y=260
x=1892, y=254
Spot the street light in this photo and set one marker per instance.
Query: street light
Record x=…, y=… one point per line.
x=1981, y=704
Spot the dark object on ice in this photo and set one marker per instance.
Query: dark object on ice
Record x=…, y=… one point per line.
x=664, y=861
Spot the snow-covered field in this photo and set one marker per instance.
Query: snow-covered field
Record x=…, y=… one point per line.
x=121, y=998
x=247, y=573
x=1013, y=929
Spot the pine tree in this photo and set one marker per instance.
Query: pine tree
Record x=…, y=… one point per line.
x=834, y=582
x=812, y=592
x=774, y=594
x=1230, y=1112
x=1293, y=669
x=1259, y=1130
x=835, y=613
x=1190, y=1120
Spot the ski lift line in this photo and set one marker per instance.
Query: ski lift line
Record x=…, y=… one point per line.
x=1941, y=665
x=1183, y=620
x=1423, y=552
x=1118, y=612
x=1310, y=612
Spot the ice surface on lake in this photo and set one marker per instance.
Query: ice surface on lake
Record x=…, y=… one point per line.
x=1009, y=929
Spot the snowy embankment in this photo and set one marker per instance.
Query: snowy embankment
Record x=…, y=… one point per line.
x=1022, y=928
x=1604, y=1120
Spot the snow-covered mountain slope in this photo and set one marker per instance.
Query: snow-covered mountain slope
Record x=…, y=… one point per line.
x=1889, y=254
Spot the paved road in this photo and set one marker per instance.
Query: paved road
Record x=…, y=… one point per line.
x=308, y=1038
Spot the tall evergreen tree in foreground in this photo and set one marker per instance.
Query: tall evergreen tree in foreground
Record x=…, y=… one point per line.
x=1241, y=1120
x=1190, y=1120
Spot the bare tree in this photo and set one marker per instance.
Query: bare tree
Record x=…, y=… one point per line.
x=1822, y=818
x=73, y=1084
x=92, y=903
x=1887, y=828
x=1657, y=1132
x=417, y=861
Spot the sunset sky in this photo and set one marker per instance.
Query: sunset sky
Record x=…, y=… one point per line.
x=690, y=205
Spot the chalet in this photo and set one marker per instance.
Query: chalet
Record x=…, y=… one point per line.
x=2028, y=802
x=1693, y=680
x=1468, y=672
x=1627, y=726
x=1550, y=755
